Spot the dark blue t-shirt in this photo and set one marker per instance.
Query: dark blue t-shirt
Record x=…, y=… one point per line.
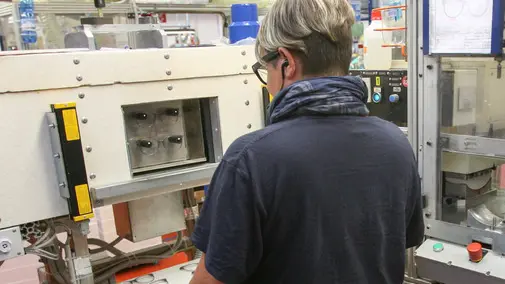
x=321, y=199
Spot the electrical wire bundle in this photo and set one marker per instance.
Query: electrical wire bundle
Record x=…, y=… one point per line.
x=47, y=240
x=50, y=249
x=123, y=261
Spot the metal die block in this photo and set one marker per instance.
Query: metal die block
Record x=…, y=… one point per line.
x=164, y=134
x=151, y=217
x=11, y=243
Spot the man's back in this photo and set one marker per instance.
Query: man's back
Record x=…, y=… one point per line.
x=318, y=199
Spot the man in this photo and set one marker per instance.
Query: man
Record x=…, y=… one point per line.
x=324, y=194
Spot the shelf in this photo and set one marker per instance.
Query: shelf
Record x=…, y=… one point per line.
x=69, y=7
x=193, y=8
x=473, y=145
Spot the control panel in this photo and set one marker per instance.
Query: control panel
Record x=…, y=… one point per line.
x=454, y=264
x=387, y=94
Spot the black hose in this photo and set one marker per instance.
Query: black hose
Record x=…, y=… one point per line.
x=104, y=246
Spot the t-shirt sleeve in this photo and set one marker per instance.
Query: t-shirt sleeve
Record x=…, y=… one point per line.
x=229, y=228
x=415, y=226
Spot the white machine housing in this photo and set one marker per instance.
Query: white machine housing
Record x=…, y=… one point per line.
x=100, y=83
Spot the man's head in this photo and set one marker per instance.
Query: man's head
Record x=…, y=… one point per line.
x=304, y=38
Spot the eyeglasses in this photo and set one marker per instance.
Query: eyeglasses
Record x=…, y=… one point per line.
x=260, y=70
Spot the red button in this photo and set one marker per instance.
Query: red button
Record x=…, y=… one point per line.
x=474, y=252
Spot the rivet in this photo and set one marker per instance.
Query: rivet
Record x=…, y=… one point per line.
x=428, y=227
x=52, y=125
x=449, y=263
x=14, y=230
x=244, y=53
x=19, y=253
x=57, y=156
x=246, y=103
x=81, y=95
x=245, y=82
x=62, y=185
x=167, y=56
x=249, y=126
x=170, y=88
x=244, y=67
x=427, y=214
x=79, y=78
x=76, y=61
x=488, y=273
x=89, y=149
x=169, y=72
x=84, y=120
x=92, y=176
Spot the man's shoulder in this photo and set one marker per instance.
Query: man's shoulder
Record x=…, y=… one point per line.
x=251, y=140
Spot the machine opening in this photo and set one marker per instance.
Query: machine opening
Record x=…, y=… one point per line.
x=170, y=134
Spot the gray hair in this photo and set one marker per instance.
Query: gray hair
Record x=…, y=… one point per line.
x=319, y=30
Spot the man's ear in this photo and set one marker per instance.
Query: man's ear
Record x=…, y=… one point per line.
x=288, y=63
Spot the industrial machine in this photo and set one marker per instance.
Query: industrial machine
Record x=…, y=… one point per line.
x=129, y=128
x=459, y=138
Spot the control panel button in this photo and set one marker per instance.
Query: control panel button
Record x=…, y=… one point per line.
x=394, y=98
x=376, y=97
x=438, y=247
x=475, y=252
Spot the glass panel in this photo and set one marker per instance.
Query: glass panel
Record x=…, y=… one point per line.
x=472, y=97
x=472, y=186
x=473, y=191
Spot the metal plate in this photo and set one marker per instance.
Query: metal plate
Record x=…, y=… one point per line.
x=11, y=243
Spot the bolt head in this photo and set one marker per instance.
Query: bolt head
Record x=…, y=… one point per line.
x=92, y=176
x=167, y=56
x=62, y=185
x=84, y=120
x=76, y=61
x=5, y=246
x=79, y=78
x=57, y=156
x=246, y=82
x=169, y=72
x=170, y=88
x=244, y=67
x=81, y=96
x=89, y=149
x=244, y=53
x=249, y=126
x=246, y=103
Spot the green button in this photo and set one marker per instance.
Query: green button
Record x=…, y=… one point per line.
x=438, y=247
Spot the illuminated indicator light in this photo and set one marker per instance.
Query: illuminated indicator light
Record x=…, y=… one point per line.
x=376, y=97
x=438, y=247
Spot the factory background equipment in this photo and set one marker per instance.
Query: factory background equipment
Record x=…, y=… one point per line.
x=387, y=94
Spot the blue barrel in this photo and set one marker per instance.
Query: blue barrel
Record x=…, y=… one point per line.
x=244, y=22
